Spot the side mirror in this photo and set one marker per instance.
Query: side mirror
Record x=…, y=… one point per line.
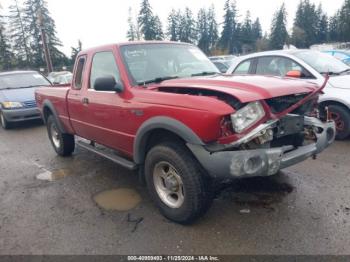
x=294, y=74
x=108, y=83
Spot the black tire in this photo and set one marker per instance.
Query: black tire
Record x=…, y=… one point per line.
x=198, y=194
x=341, y=116
x=63, y=144
x=3, y=122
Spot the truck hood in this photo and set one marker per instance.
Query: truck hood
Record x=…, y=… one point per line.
x=17, y=95
x=244, y=88
x=340, y=81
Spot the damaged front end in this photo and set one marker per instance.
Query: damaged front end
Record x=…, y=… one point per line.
x=285, y=135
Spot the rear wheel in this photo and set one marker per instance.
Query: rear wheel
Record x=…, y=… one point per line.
x=341, y=117
x=4, y=123
x=177, y=183
x=63, y=144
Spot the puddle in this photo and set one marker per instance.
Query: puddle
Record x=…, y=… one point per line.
x=122, y=199
x=53, y=176
x=257, y=192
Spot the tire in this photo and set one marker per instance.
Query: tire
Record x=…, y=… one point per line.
x=4, y=123
x=195, y=195
x=341, y=116
x=63, y=144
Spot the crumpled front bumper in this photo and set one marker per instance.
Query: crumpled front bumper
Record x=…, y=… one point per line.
x=264, y=162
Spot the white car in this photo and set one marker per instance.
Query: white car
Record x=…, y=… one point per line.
x=312, y=66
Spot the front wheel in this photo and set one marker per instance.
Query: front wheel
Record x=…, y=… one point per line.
x=177, y=183
x=63, y=144
x=341, y=117
x=4, y=123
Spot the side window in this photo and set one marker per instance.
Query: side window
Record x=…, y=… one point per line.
x=79, y=73
x=103, y=64
x=243, y=68
x=279, y=66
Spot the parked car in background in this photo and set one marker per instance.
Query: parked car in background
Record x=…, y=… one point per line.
x=60, y=78
x=223, y=63
x=17, y=101
x=343, y=55
x=164, y=109
x=309, y=65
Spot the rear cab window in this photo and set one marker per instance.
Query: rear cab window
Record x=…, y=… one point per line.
x=80, y=68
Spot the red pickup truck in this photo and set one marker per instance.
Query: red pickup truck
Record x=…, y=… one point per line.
x=164, y=109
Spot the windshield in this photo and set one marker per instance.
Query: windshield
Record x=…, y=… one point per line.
x=22, y=80
x=147, y=62
x=322, y=63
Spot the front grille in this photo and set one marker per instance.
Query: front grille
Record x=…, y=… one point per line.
x=279, y=104
x=29, y=104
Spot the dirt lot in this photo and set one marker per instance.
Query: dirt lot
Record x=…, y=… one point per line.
x=304, y=210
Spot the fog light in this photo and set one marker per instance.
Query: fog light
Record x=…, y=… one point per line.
x=253, y=164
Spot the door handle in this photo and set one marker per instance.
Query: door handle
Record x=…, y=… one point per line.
x=85, y=100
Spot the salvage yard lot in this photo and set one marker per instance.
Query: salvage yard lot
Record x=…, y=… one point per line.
x=304, y=210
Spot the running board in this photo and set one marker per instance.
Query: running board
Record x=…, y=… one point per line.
x=114, y=158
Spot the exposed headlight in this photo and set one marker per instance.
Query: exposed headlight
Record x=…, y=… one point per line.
x=11, y=105
x=247, y=116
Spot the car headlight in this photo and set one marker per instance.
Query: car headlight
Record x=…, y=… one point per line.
x=11, y=105
x=247, y=116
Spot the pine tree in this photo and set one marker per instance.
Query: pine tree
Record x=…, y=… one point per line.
x=203, y=31
x=131, y=34
x=213, y=32
x=279, y=34
x=257, y=30
x=247, y=37
x=158, y=28
x=75, y=51
x=173, y=25
x=187, y=28
x=6, y=55
x=19, y=35
x=37, y=15
x=334, y=27
x=322, y=25
x=229, y=39
x=306, y=20
x=344, y=22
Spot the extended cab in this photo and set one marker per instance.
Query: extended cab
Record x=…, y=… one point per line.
x=164, y=109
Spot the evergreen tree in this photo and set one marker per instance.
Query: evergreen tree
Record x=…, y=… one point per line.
x=344, y=22
x=306, y=19
x=334, y=27
x=149, y=24
x=75, y=51
x=279, y=34
x=187, y=28
x=322, y=26
x=213, y=33
x=37, y=16
x=19, y=35
x=6, y=56
x=257, y=30
x=203, y=31
x=131, y=34
x=246, y=35
x=173, y=25
x=228, y=40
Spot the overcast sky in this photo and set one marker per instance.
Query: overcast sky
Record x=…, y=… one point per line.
x=97, y=22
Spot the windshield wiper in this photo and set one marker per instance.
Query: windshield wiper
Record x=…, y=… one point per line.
x=206, y=73
x=344, y=71
x=156, y=80
x=330, y=73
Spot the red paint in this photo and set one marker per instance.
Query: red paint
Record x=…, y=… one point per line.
x=109, y=118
